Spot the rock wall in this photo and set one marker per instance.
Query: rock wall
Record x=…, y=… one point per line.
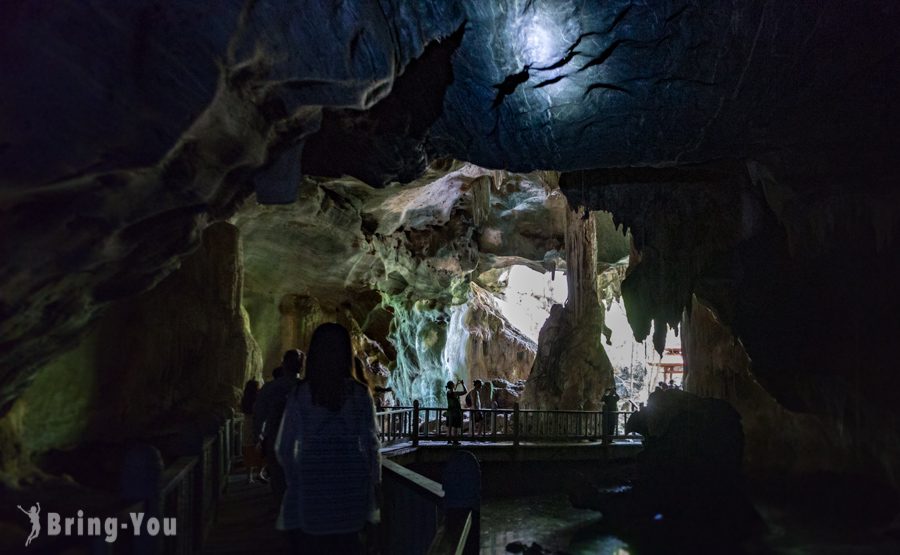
x=129, y=127
x=495, y=348
x=779, y=441
x=179, y=351
x=792, y=263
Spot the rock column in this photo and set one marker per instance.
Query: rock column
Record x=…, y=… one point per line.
x=571, y=369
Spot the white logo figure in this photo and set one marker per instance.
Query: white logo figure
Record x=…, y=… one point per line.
x=33, y=516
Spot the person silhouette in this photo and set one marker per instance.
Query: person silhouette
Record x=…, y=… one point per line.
x=34, y=516
x=329, y=449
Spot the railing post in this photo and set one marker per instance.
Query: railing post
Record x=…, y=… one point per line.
x=415, y=423
x=516, y=424
x=605, y=437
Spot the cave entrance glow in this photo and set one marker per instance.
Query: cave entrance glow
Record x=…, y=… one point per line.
x=525, y=300
x=528, y=297
x=636, y=365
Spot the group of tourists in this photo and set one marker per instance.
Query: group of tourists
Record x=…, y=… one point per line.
x=314, y=439
x=317, y=438
x=663, y=386
x=480, y=396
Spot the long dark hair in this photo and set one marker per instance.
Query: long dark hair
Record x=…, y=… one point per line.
x=329, y=366
x=250, y=390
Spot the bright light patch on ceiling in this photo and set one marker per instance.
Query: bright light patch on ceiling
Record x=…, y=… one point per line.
x=542, y=42
x=539, y=42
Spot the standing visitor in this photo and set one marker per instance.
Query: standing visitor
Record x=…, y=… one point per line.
x=268, y=410
x=329, y=449
x=454, y=411
x=474, y=402
x=610, y=410
x=252, y=456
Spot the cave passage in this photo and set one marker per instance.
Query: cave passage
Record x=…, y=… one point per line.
x=571, y=203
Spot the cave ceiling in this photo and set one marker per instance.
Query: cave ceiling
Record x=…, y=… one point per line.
x=127, y=127
x=424, y=240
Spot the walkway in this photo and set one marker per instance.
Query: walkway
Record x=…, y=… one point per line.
x=245, y=520
x=245, y=513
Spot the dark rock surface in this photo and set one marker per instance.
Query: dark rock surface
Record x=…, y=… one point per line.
x=689, y=472
x=572, y=85
x=149, y=365
x=127, y=128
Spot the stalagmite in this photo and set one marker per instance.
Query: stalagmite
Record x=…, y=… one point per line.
x=571, y=369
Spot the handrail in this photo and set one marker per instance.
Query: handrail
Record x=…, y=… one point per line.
x=412, y=509
x=176, y=473
x=500, y=425
x=396, y=424
x=464, y=535
x=426, y=486
x=191, y=487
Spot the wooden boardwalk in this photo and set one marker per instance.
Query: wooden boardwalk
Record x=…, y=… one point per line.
x=245, y=521
x=245, y=516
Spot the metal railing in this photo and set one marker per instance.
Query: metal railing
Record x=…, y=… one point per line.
x=416, y=423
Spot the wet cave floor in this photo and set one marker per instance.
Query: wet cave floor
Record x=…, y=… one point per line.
x=550, y=521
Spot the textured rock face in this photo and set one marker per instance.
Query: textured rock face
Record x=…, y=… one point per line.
x=766, y=248
x=150, y=363
x=495, y=348
x=569, y=85
x=571, y=369
x=162, y=118
x=688, y=474
x=348, y=252
x=780, y=441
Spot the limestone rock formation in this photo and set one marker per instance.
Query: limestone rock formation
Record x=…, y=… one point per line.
x=163, y=118
x=402, y=266
x=571, y=369
x=175, y=353
x=779, y=441
x=507, y=394
x=496, y=349
x=766, y=250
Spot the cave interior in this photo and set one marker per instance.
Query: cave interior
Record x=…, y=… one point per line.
x=516, y=191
